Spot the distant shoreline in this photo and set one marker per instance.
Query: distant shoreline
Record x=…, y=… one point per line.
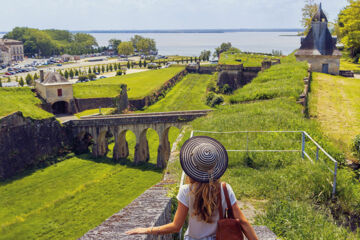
x=190, y=30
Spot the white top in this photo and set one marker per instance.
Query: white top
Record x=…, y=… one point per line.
x=200, y=229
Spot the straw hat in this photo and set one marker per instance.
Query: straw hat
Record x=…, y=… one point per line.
x=203, y=158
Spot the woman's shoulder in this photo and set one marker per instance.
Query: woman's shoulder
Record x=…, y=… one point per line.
x=184, y=188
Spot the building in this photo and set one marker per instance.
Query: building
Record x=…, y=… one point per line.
x=319, y=47
x=13, y=48
x=5, y=58
x=56, y=91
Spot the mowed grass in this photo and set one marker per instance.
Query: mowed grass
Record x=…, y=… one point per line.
x=335, y=103
x=249, y=60
x=66, y=200
x=21, y=99
x=104, y=111
x=281, y=80
x=188, y=94
x=346, y=65
x=139, y=84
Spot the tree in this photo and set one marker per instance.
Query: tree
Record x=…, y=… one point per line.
x=125, y=48
x=114, y=43
x=0, y=83
x=128, y=65
x=35, y=76
x=102, y=68
x=349, y=28
x=110, y=67
x=145, y=63
x=76, y=72
x=94, y=69
x=9, y=79
x=71, y=73
x=223, y=48
x=29, y=80
x=21, y=82
x=140, y=64
x=308, y=12
x=66, y=74
x=191, y=59
x=205, y=55
x=107, y=68
x=89, y=70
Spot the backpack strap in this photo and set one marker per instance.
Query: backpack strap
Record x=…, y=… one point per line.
x=220, y=204
x=229, y=209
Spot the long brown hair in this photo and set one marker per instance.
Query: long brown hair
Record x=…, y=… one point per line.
x=205, y=199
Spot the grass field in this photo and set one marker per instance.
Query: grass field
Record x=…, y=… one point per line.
x=249, y=60
x=279, y=81
x=104, y=111
x=21, y=99
x=188, y=94
x=139, y=84
x=66, y=200
x=346, y=65
x=335, y=103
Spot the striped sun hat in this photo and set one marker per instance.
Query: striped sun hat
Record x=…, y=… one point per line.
x=203, y=158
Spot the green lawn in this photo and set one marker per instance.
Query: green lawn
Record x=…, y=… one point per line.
x=249, y=60
x=335, y=103
x=66, y=200
x=188, y=94
x=278, y=81
x=347, y=65
x=104, y=111
x=21, y=99
x=139, y=84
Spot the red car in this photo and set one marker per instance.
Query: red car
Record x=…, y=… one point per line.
x=7, y=73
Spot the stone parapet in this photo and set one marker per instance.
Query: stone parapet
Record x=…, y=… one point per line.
x=152, y=208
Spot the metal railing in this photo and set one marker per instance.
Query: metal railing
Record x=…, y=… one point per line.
x=305, y=138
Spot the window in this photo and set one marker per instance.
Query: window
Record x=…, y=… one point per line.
x=59, y=92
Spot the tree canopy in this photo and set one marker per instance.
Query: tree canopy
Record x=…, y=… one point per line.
x=349, y=27
x=126, y=48
x=223, y=48
x=52, y=42
x=114, y=43
x=308, y=11
x=143, y=45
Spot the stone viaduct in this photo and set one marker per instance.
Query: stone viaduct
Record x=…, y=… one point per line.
x=101, y=127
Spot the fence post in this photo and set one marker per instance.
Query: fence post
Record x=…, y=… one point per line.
x=302, y=144
x=247, y=141
x=334, y=184
x=317, y=153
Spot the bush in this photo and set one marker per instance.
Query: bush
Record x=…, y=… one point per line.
x=92, y=76
x=213, y=99
x=356, y=146
x=226, y=89
x=82, y=78
x=119, y=73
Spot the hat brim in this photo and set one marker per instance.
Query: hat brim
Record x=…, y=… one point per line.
x=191, y=170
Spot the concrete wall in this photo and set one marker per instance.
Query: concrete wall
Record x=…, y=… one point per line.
x=316, y=63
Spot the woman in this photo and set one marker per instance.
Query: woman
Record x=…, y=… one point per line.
x=204, y=160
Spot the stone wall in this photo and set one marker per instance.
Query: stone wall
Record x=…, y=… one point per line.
x=316, y=63
x=83, y=104
x=25, y=142
x=152, y=208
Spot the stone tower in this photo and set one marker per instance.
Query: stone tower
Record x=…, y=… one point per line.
x=319, y=47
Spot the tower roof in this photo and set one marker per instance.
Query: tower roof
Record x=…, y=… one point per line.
x=54, y=77
x=319, y=15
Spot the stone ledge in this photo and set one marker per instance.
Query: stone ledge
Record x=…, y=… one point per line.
x=144, y=211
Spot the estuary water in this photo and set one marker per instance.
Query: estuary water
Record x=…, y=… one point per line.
x=191, y=44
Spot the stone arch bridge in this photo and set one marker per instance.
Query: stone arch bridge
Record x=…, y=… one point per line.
x=100, y=127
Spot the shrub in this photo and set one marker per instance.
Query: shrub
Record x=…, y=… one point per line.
x=226, y=89
x=92, y=76
x=119, y=73
x=82, y=77
x=356, y=146
x=213, y=99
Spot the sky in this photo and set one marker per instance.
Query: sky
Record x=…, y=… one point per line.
x=156, y=14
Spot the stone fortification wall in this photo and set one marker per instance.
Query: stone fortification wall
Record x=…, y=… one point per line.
x=93, y=103
x=25, y=142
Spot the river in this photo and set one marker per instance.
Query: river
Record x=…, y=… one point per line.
x=191, y=44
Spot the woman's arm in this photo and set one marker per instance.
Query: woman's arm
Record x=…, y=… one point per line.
x=172, y=227
x=246, y=226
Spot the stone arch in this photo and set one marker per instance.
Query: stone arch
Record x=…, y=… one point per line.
x=100, y=146
x=141, y=153
x=82, y=142
x=60, y=107
x=164, y=148
x=121, y=147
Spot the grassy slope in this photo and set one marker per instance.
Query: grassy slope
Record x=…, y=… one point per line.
x=139, y=84
x=66, y=200
x=278, y=81
x=347, y=65
x=335, y=103
x=295, y=192
x=249, y=60
x=21, y=99
x=188, y=94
